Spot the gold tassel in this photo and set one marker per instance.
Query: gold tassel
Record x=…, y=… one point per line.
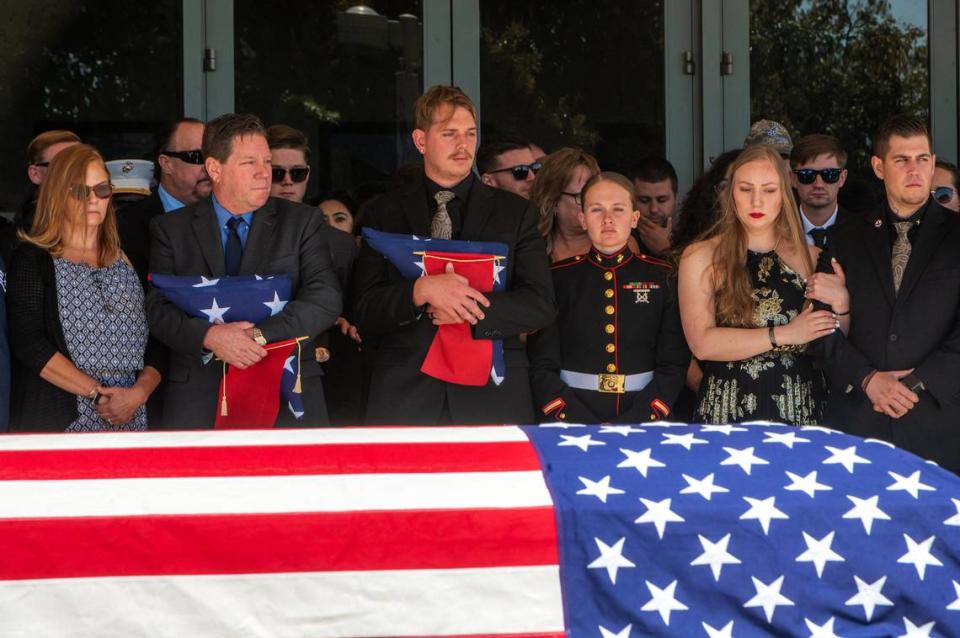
x=223, y=399
x=297, y=388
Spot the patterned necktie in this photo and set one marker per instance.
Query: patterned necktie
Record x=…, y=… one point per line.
x=442, y=227
x=901, y=252
x=233, y=251
x=819, y=236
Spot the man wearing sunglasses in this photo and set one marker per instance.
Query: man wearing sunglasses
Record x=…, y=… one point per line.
x=894, y=376
x=946, y=185
x=508, y=164
x=818, y=164
x=290, y=154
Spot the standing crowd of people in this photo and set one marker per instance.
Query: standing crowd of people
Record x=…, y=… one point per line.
x=756, y=296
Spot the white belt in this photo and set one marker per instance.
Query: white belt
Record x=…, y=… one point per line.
x=605, y=382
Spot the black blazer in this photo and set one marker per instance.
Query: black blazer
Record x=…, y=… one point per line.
x=919, y=327
x=133, y=224
x=399, y=392
x=284, y=238
x=36, y=334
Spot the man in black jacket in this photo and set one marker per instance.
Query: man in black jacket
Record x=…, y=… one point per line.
x=819, y=171
x=240, y=230
x=449, y=202
x=895, y=375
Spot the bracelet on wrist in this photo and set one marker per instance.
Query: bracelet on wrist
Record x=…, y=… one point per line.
x=772, y=337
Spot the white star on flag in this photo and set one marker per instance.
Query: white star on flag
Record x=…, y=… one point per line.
x=204, y=282
x=422, y=266
x=215, y=312
x=294, y=412
x=955, y=519
x=640, y=461
x=601, y=489
x=744, y=458
x=497, y=269
x=704, y=487
x=821, y=631
x=867, y=511
x=807, y=484
x=819, y=552
x=659, y=513
x=611, y=558
x=724, y=632
x=955, y=605
x=623, y=430
x=276, y=305
x=763, y=510
x=288, y=364
x=869, y=596
x=623, y=633
x=786, y=438
x=768, y=597
x=846, y=457
x=663, y=601
x=722, y=429
x=583, y=442
x=909, y=484
x=819, y=428
x=715, y=555
x=914, y=631
x=918, y=555
x=686, y=440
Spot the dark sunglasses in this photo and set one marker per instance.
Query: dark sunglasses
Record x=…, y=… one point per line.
x=809, y=175
x=190, y=157
x=574, y=196
x=943, y=194
x=103, y=190
x=297, y=173
x=520, y=171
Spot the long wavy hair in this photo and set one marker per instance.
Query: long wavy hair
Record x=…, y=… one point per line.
x=552, y=180
x=733, y=289
x=59, y=213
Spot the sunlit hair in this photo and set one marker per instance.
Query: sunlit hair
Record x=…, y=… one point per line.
x=47, y=139
x=552, y=180
x=428, y=106
x=610, y=176
x=733, y=289
x=58, y=210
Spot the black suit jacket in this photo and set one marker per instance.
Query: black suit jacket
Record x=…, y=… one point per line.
x=383, y=307
x=918, y=327
x=133, y=224
x=284, y=238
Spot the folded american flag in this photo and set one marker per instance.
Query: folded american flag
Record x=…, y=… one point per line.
x=250, y=298
x=454, y=355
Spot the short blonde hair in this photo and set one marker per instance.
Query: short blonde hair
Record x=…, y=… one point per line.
x=435, y=98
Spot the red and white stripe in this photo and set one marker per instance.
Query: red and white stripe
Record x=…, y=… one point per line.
x=349, y=532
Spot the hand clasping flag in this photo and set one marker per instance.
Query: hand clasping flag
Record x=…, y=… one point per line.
x=254, y=393
x=454, y=356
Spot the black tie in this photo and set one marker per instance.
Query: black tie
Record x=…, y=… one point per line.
x=234, y=250
x=819, y=236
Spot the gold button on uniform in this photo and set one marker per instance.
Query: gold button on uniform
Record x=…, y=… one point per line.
x=611, y=347
x=608, y=293
x=609, y=310
x=611, y=367
x=609, y=329
x=608, y=275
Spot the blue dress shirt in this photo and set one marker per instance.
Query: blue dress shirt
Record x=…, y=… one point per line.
x=168, y=201
x=223, y=216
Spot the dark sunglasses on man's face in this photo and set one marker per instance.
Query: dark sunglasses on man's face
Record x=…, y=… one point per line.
x=807, y=176
x=943, y=194
x=520, y=171
x=297, y=173
x=190, y=157
x=103, y=190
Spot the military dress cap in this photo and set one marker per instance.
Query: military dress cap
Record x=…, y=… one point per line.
x=769, y=133
x=131, y=176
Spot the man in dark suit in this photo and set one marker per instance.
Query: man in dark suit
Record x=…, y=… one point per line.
x=181, y=180
x=240, y=230
x=895, y=375
x=450, y=202
x=818, y=164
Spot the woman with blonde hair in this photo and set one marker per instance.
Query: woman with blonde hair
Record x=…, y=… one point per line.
x=77, y=321
x=556, y=194
x=742, y=302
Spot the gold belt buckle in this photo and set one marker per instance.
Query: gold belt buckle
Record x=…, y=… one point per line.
x=611, y=383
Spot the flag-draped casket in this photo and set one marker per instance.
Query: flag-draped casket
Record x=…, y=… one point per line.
x=487, y=531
